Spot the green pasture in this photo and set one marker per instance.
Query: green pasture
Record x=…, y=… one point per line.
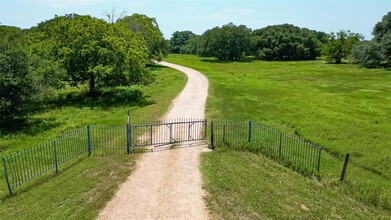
x=343, y=108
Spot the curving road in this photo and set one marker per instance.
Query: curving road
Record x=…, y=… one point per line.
x=167, y=184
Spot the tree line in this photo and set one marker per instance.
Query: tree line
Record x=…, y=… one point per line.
x=72, y=50
x=288, y=42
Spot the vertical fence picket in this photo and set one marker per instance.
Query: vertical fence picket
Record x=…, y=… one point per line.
x=280, y=146
x=55, y=155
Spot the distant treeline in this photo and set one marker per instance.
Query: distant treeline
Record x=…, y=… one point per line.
x=287, y=42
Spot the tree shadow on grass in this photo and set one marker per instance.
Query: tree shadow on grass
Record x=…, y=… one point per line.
x=114, y=97
x=28, y=126
x=154, y=66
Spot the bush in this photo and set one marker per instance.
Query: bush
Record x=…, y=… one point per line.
x=366, y=54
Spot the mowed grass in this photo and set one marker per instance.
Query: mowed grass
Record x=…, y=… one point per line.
x=343, y=108
x=84, y=185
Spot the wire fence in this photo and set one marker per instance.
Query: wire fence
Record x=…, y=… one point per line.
x=25, y=165
x=301, y=155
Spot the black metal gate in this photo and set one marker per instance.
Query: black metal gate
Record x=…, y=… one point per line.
x=166, y=132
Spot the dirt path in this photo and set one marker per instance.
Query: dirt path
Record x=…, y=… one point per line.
x=167, y=184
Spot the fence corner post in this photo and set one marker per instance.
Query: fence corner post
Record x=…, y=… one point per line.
x=345, y=165
x=249, y=131
x=6, y=176
x=89, y=140
x=212, y=135
x=320, y=151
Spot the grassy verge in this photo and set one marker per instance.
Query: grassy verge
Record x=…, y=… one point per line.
x=244, y=185
x=83, y=186
x=340, y=107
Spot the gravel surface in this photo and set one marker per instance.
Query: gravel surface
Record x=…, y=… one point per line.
x=167, y=184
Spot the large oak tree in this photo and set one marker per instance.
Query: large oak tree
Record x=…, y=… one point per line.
x=227, y=43
x=95, y=52
x=339, y=46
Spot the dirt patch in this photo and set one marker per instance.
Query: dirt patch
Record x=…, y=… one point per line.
x=167, y=184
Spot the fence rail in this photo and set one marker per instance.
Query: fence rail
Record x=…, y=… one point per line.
x=296, y=153
x=28, y=164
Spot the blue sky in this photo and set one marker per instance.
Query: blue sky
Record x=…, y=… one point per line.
x=359, y=16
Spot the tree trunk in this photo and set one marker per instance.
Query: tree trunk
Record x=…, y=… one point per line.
x=92, y=92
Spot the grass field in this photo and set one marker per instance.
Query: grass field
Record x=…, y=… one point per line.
x=244, y=185
x=343, y=108
x=84, y=185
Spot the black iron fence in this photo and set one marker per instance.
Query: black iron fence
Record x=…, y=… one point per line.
x=28, y=164
x=292, y=151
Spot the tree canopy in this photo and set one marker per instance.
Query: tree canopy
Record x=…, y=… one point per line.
x=382, y=27
x=149, y=29
x=94, y=51
x=377, y=52
x=227, y=43
x=339, y=46
x=74, y=50
x=367, y=54
x=180, y=39
x=17, y=88
x=231, y=42
x=285, y=42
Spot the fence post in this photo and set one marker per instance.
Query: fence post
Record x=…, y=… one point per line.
x=55, y=155
x=224, y=134
x=345, y=165
x=318, y=168
x=206, y=128
x=280, y=146
x=171, y=132
x=6, y=176
x=212, y=135
x=128, y=138
x=249, y=131
x=89, y=139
